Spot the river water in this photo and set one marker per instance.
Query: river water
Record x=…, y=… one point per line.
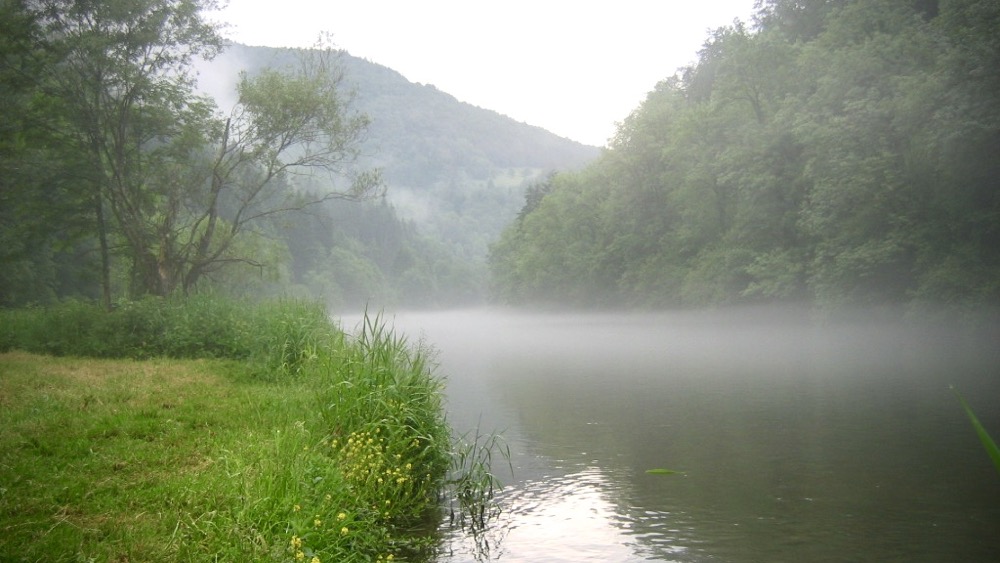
x=795, y=440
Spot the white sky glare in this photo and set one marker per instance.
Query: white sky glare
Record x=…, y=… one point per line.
x=575, y=68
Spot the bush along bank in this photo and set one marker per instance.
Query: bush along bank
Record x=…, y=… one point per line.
x=287, y=440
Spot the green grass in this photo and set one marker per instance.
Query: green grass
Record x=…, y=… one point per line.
x=285, y=440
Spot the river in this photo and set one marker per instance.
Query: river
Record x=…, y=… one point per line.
x=793, y=439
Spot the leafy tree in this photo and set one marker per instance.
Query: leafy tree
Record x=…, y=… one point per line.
x=838, y=152
x=121, y=73
x=286, y=123
x=181, y=184
x=795, y=20
x=45, y=220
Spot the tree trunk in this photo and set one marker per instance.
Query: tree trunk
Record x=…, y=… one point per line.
x=197, y=266
x=102, y=236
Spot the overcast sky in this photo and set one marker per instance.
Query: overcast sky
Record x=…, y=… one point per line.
x=575, y=68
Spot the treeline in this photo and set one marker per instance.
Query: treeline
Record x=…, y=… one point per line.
x=354, y=255
x=833, y=152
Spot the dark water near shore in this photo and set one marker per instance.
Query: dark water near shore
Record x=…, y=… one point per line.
x=798, y=441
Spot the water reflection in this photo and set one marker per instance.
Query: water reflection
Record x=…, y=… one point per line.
x=570, y=518
x=799, y=442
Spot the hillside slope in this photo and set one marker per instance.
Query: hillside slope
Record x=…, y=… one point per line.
x=456, y=170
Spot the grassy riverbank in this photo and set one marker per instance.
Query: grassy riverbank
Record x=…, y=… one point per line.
x=243, y=434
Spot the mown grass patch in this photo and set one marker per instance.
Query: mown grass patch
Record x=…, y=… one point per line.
x=99, y=459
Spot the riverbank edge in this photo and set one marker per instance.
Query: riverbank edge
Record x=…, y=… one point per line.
x=318, y=446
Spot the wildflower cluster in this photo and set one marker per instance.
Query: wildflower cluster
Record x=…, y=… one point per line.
x=381, y=473
x=296, y=548
x=365, y=489
x=321, y=528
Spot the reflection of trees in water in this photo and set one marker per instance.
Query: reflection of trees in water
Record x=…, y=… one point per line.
x=810, y=436
x=796, y=439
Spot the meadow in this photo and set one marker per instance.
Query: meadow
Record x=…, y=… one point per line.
x=205, y=429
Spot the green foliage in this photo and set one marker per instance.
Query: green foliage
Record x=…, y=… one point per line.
x=456, y=173
x=339, y=451
x=836, y=153
x=276, y=336
x=288, y=337
x=988, y=444
x=472, y=482
x=350, y=255
x=383, y=410
x=139, y=169
x=46, y=226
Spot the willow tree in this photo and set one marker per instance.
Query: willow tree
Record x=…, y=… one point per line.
x=286, y=145
x=182, y=182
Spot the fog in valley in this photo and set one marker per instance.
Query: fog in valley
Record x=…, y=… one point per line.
x=799, y=436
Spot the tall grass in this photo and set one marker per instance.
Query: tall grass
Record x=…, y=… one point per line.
x=286, y=440
x=472, y=483
x=277, y=339
x=195, y=327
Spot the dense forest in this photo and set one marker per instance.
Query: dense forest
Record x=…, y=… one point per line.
x=829, y=152
x=142, y=155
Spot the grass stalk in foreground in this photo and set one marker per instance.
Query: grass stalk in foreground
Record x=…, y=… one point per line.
x=984, y=437
x=472, y=483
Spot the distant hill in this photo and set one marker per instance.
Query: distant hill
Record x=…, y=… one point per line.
x=458, y=171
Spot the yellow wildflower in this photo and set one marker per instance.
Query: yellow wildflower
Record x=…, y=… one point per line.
x=344, y=530
x=296, y=542
x=299, y=556
x=341, y=516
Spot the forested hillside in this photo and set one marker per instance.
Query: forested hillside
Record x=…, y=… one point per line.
x=831, y=152
x=312, y=173
x=456, y=170
x=454, y=174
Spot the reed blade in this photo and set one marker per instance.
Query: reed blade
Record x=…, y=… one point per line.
x=984, y=437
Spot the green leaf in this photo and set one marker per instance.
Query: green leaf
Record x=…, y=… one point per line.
x=984, y=437
x=663, y=472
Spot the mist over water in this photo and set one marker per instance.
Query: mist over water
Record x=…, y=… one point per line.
x=798, y=439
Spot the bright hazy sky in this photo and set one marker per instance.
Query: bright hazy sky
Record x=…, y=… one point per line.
x=575, y=68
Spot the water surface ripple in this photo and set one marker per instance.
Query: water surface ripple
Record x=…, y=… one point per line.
x=798, y=440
